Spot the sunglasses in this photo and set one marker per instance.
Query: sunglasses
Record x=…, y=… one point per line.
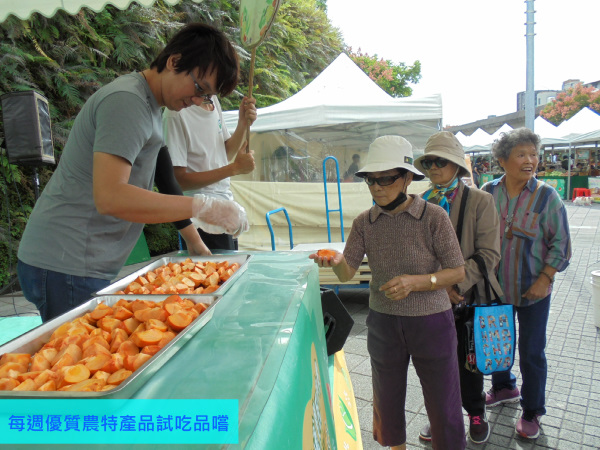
x=383, y=181
x=439, y=163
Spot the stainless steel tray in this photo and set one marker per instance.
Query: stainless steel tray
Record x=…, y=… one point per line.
x=241, y=259
x=34, y=339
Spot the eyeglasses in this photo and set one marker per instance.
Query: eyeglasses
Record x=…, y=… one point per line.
x=200, y=92
x=439, y=163
x=383, y=181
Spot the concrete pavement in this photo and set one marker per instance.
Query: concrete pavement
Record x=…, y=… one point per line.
x=573, y=351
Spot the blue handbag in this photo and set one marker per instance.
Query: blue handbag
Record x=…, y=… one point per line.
x=493, y=330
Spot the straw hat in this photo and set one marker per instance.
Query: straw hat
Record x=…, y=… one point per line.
x=390, y=152
x=445, y=145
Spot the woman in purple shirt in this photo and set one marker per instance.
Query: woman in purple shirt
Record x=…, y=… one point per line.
x=535, y=244
x=414, y=256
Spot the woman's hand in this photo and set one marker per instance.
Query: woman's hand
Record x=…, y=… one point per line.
x=398, y=287
x=327, y=258
x=455, y=297
x=538, y=290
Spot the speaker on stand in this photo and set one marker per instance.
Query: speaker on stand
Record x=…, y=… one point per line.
x=27, y=131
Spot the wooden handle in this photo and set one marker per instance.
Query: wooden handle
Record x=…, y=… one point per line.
x=250, y=85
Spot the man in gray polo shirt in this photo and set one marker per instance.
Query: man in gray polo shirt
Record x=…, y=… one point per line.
x=93, y=209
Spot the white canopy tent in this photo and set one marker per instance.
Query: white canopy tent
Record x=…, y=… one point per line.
x=339, y=113
x=584, y=121
x=545, y=129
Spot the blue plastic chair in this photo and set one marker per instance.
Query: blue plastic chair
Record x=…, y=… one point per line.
x=327, y=210
x=268, y=217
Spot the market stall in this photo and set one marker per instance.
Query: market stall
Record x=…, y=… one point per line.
x=265, y=347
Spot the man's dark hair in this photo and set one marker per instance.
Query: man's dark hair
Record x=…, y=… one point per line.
x=356, y=156
x=205, y=47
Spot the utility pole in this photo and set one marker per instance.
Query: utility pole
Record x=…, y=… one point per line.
x=530, y=89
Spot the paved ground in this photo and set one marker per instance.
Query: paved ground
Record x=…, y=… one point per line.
x=573, y=350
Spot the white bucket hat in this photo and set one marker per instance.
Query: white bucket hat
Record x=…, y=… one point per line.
x=390, y=152
x=445, y=145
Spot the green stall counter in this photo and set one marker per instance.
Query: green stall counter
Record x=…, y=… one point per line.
x=140, y=252
x=265, y=347
x=560, y=184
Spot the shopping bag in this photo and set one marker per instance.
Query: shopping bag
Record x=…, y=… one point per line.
x=493, y=330
x=494, y=338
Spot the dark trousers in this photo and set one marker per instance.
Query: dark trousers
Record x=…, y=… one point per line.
x=471, y=384
x=55, y=293
x=431, y=343
x=533, y=320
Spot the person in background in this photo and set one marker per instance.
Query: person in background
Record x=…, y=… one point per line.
x=165, y=181
x=201, y=147
x=535, y=245
x=409, y=309
x=476, y=175
x=92, y=211
x=444, y=163
x=350, y=174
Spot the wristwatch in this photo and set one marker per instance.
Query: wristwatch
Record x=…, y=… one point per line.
x=433, y=280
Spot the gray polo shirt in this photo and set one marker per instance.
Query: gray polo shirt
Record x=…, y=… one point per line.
x=65, y=232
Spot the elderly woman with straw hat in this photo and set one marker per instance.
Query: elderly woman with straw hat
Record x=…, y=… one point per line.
x=444, y=163
x=414, y=257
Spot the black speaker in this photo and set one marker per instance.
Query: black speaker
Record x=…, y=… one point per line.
x=337, y=321
x=27, y=131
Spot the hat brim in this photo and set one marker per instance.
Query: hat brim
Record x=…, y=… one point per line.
x=460, y=162
x=382, y=167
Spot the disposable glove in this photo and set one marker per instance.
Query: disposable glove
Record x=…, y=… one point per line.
x=218, y=216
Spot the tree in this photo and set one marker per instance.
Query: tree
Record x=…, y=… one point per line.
x=68, y=57
x=569, y=103
x=392, y=78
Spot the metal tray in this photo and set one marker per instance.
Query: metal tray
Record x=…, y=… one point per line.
x=241, y=259
x=34, y=339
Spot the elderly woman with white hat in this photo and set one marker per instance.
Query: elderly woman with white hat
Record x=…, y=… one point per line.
x=414, y=256
x=444, y=163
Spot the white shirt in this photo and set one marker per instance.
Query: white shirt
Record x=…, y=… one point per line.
x=196, y=139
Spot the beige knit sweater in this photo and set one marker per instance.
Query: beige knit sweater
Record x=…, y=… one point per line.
x=419, y=240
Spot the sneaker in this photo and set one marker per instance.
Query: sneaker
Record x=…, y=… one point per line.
x=425, y=433
x=495, y=397
x=479, y=430
x=529, y=429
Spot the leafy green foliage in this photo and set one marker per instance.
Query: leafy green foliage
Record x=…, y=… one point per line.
x=68, y=57
x=392, y=78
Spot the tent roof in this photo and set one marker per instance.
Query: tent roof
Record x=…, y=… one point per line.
x=545, y=129
x=584, y=121
x=339, y=98
x=24, y=8
x=593, y=136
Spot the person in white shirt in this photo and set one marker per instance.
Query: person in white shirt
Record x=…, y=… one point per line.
x=201, y=147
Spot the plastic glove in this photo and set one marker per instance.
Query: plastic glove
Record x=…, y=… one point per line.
x=218, y=216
